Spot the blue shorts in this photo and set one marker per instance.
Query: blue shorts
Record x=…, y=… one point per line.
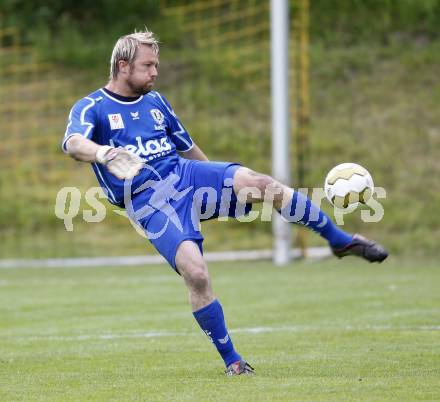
x=170, y=210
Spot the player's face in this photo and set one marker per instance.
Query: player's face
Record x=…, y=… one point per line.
x=143, y=71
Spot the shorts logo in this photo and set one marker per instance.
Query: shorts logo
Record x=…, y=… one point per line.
x=159, y=118
x=164, y=190
x=116, y=121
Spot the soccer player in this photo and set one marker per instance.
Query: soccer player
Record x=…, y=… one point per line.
x=146, y=161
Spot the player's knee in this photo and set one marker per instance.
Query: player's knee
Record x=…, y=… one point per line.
x=263, y=182
x=267, y=182
x=199, y=279
x=261, y=185
x=195, y=273
x=270, y=189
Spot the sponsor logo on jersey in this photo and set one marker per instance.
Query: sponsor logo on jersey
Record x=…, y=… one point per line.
x=135, y=115
x=150, y=149
x=116, y=121
x=159, y=118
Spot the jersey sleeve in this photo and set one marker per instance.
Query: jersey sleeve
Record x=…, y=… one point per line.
x=82, y=120
x=177, y=132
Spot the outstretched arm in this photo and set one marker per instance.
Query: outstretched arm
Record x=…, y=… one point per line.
x=119, y=162
x=82, y=149
x=194, y=153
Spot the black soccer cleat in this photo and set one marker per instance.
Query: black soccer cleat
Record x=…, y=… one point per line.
x=362, y=247
x=238, y=368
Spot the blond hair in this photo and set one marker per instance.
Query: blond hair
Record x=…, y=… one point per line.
x=126, y=49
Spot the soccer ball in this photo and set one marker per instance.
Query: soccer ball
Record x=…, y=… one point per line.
x=347, y=185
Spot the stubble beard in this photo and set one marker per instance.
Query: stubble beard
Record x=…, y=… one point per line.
x=138, y=90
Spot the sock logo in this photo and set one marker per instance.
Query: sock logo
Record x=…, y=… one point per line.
x=208, y=334
x=224, y=340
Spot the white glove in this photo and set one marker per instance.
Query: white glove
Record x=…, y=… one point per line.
x=119, y=162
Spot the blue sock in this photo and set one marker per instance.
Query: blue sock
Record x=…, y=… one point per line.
x=212, y=322
x=302, y=211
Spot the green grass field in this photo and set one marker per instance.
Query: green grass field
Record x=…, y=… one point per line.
x=327, y=330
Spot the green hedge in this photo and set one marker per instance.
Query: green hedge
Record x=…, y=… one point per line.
x=58, y=27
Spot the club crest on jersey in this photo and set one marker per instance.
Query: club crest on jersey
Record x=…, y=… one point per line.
x=116, y=121
x=159, y=118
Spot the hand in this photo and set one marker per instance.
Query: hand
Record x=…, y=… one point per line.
x=119, y=162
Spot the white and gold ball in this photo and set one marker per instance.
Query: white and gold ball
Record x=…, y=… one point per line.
x=347, y=185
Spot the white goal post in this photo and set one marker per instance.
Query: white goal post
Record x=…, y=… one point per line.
x=279, y=29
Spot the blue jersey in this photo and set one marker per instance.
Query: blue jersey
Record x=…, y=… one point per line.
x=146, y=126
